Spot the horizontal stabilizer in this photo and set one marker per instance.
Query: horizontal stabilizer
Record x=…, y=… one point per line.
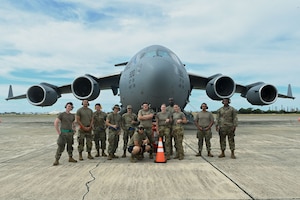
x=121, y=64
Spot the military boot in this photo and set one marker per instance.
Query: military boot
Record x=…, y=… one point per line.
x=176, y=156
x=198, y=154
x=232, y=154
x=103, y=153
x=72, y=159
x=80, y=156
x=56, y=162
x=209, y=154
x=132, y=158
x=97, y=155
x=222, y=155
x=90, y=156
x=110, y=157
x=124, y=154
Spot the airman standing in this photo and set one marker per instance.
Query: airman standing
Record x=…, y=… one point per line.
x=226, y=123
x=204, y=121
x=99, y=128
x=145, y=116
x=114, y=122
x=163, y=122
x=65, y=133
x=129, y=122
x=178, y=119
x=84, y=118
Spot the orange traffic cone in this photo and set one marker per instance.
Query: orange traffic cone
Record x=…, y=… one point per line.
x=160, y=155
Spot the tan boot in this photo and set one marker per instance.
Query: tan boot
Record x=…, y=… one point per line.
x=232, y=154
x=90, y=156
x=198, y=154
x=56, y=162
x=209, y=154
x=97, y=155
x=132, y=158
x=80, y=156
x=103, y=153
x=110, y=157
x=72, y=159
x=222, y=155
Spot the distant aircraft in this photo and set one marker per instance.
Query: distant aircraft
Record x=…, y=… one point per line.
x=153, y=75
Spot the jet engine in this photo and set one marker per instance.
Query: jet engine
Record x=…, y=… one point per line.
x=42, y=95
x=85, y=88
x=262, y=94
x=220, y=87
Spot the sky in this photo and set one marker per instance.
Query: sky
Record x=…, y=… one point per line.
x=57, y=41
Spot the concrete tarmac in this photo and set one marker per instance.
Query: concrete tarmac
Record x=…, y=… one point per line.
x=267, y=165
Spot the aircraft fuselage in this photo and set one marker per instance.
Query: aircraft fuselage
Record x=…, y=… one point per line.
x=154, y=75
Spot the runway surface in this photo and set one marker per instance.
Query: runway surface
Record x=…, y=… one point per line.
x=267, y=165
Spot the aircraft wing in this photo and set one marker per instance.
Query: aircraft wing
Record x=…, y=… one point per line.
x=219, y=86
x=83, y=87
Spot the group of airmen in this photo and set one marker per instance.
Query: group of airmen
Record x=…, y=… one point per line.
x=138, y=130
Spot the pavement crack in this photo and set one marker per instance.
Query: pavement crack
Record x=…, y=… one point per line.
x=90, y=181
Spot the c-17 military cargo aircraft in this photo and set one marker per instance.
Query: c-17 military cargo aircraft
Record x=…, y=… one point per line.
x=153, y=75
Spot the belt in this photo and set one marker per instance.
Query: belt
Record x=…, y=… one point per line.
x=115, y=129
x=66, y=130
x=131, y=128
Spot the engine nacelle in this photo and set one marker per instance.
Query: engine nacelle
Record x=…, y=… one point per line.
x=262, y=94
x=42, y=95
x=220, y=87
x=85, y=88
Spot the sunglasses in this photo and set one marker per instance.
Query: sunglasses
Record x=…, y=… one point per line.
x=141, y=128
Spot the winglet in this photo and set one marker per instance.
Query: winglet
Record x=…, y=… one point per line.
x=289, y=92
x=10, y=92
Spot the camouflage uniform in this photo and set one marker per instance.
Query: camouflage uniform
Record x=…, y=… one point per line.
x=164, y=130
x=204, y=119
x=113, y=137
x=66, y=136
x=170, y=110
x=178, y=133
x=147, y=123
x=99, y=129
x=128, y=127
x=86, y=115
x=226, y=120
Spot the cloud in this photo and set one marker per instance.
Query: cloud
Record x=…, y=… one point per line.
x=56, y=41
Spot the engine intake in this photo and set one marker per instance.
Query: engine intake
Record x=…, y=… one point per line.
x=42, y=95
x=85, y=88
x=262, y=94
x=220, y=87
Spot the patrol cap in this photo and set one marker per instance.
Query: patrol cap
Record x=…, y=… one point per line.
x=129, y=106
x=116, y=106
x=141, y=126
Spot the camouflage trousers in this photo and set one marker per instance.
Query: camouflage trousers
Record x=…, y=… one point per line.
x=126, y=136
x=201, y=135
x=100, y=138
x=63, y=139
x=227, y=131
x=178, y=133
x=113, y=141
x=164, y=131
x=82, y=135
